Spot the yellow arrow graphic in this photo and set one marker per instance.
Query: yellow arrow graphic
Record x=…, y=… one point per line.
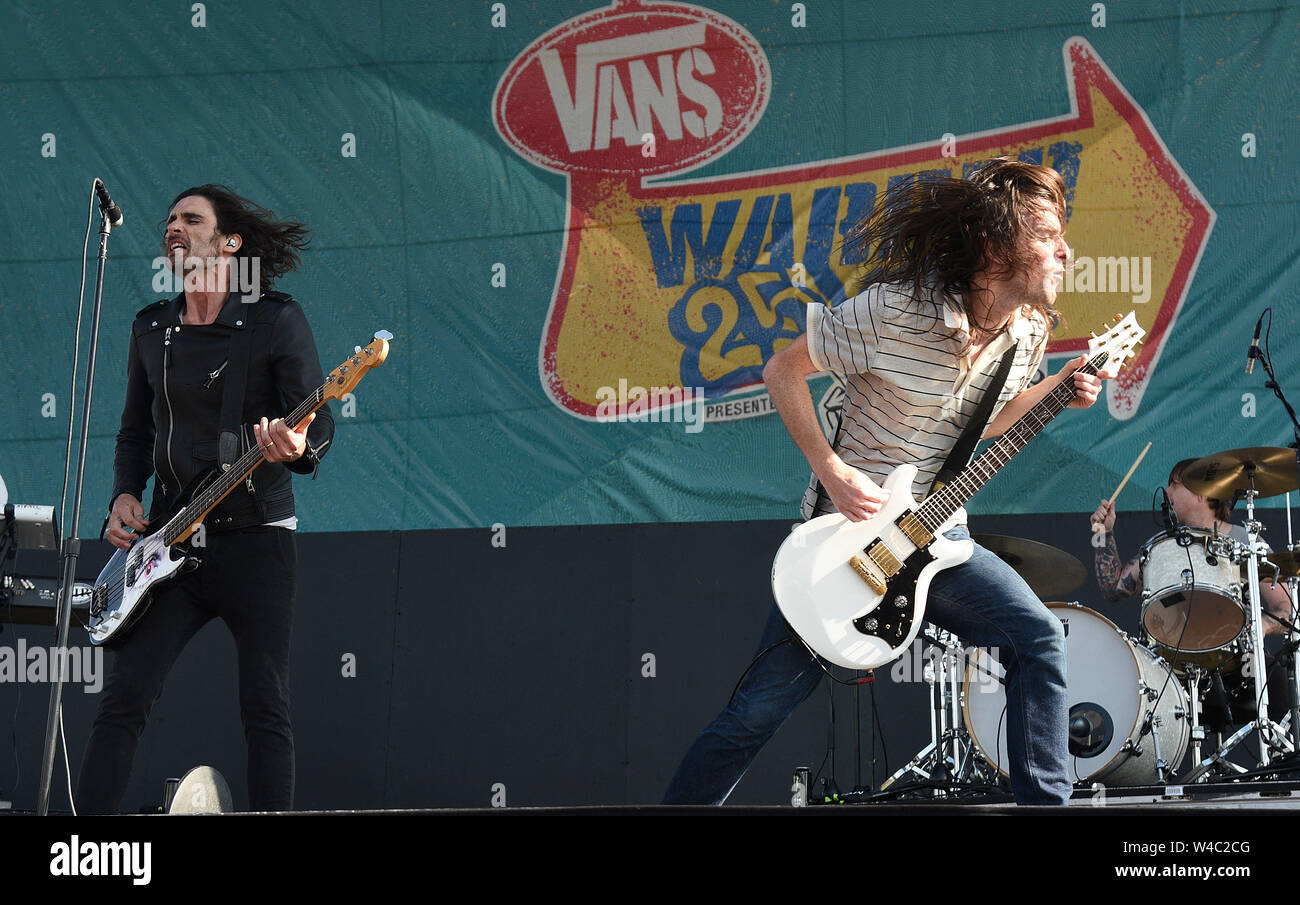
x=696, y=283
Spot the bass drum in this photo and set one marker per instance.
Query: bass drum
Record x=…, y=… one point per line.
x=1112, y=685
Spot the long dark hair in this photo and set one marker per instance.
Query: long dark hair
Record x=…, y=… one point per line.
x=275, y=243
x=936, y=232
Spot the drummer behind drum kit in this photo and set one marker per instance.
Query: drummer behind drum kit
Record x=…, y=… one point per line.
x=1136, y=704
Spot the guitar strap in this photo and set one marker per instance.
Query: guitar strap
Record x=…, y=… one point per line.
x=960, y=456
x=232, y=397
x=232, y=405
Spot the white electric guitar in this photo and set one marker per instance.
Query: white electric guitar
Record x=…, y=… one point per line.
x=855, y=592
x=122, y=591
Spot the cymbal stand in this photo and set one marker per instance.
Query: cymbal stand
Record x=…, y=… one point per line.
x=1293, y=636
x=1272, y=737
x=1293, y=642
x=951, y=758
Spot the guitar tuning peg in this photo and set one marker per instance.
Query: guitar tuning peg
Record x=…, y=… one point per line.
x=1092, y=334
x=1119, y=317
x=356, y=350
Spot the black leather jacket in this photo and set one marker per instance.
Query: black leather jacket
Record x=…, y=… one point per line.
x=175, y=381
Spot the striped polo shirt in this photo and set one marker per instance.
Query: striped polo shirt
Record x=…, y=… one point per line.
x=909, y=394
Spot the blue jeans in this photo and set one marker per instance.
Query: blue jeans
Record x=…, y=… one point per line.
x=985, y=603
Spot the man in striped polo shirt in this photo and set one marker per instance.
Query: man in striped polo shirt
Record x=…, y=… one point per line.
x=957, y=271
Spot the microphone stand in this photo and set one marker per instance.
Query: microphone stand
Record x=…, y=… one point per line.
x=71, y=547
x=1293, y=636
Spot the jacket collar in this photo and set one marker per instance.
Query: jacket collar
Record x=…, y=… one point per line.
x=234, y=312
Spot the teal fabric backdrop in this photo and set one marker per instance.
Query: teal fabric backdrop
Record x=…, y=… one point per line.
x=452, y=234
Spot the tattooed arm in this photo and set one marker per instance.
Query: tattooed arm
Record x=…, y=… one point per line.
x=1277, y=601
x=1116, y=581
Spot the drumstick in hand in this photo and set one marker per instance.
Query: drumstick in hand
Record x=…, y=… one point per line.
x=1136, y=463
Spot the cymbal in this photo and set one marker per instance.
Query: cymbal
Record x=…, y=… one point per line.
x=1048, y=571
x=1287, y=560
x=1221, y=475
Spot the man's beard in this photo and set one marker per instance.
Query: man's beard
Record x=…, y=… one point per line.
x=198, y=272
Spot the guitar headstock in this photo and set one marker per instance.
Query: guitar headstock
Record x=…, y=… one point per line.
x=1119, y=342
x=344, y=378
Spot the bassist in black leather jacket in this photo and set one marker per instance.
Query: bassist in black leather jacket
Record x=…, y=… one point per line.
x=176, y=373
x=178, y=368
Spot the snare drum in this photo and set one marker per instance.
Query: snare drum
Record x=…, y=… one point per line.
x=1112, y=684
x=1224, y=659
x=1191, y=590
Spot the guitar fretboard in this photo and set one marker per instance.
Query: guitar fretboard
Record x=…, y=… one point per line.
x=207, y=498
x=938, y=507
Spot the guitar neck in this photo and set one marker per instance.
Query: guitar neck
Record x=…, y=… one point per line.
x=938, y=507
x=184, y=521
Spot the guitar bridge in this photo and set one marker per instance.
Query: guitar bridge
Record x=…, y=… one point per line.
x=891, y=621
x=874, y=581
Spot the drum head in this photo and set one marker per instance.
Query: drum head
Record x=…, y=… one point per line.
x=1192, y=591
x=1198, y=619
x=1102, y=677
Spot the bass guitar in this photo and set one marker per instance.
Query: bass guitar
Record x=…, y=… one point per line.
x=124, y=588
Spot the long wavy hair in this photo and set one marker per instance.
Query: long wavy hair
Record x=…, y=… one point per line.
x=275, y=243
x=939, y=233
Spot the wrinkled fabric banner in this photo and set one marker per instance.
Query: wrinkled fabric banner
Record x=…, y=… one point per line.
x=589, y=225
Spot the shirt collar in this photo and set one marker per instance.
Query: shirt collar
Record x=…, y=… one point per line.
x=954, y=317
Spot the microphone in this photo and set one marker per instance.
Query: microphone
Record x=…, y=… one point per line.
x=114, y=213
x=1254, y=347
x=1170, y=520
x=1173, y=526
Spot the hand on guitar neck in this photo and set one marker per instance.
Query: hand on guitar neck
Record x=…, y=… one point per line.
x=279, y=441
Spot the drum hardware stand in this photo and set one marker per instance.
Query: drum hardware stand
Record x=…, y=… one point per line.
x=951, y=759
x=1289, y=651
x=1272, y=737
x=1293, y=635
x=1192, y=676
x=1255, y=611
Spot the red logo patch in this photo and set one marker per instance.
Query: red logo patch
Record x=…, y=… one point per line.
x=634, y=89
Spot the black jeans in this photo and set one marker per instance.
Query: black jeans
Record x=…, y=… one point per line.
x=247, y=579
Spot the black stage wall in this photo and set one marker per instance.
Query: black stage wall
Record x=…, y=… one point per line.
x=571, y=666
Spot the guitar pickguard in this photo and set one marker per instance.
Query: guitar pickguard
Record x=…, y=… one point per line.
x=892, y=620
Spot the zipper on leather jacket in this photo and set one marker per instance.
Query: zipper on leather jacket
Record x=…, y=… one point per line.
x=207, y=384
x=171, y=420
